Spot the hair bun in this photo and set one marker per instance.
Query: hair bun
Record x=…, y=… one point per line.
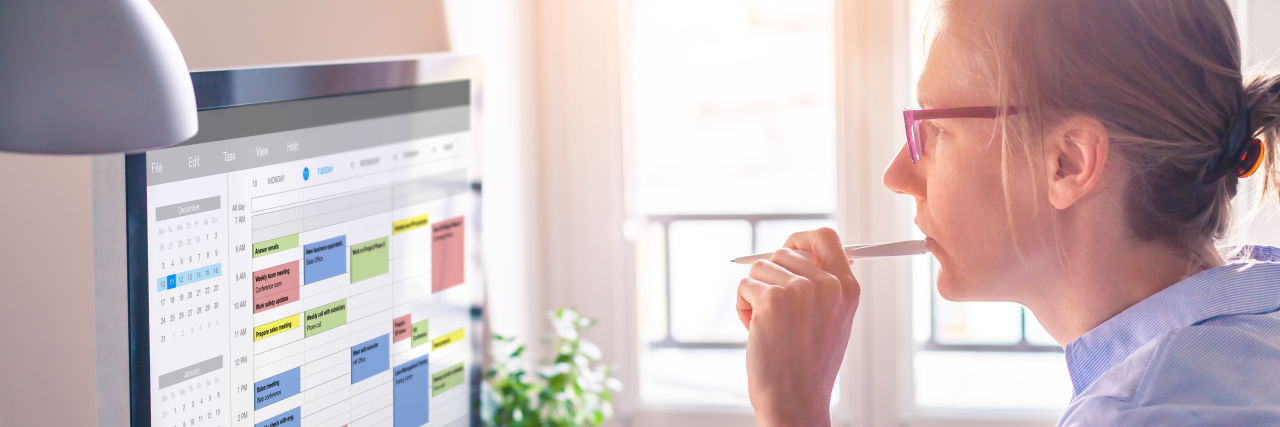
x=1241, y=152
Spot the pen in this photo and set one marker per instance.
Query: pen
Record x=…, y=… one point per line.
x=863, y=251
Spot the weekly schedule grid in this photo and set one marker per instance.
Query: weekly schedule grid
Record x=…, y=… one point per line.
x=324, y=286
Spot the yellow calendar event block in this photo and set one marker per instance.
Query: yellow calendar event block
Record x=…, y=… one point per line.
x=276, y=327
x=409, y=224
x=447, y=339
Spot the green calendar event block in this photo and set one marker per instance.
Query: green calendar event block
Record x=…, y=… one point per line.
x=420, y=335
x=448, y=378
x=326, y=317
x=370, y=259
x=275, y=245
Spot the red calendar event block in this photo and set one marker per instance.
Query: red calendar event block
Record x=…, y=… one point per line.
x=277, y=299
x=448, y=256
x=275, y=286
x=400, y=328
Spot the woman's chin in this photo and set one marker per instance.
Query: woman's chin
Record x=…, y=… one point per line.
x=954, y=289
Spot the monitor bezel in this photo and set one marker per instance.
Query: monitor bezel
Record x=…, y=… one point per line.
x=217, y=89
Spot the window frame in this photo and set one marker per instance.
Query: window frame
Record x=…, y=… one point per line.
x=1023, y=345
x=665, y=221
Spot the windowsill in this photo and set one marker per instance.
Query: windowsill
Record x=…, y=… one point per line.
x=696, y=409
x=692, y=416
x=992, y=382
x=940, y=417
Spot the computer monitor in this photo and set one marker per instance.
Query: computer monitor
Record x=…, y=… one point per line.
x=303, y=260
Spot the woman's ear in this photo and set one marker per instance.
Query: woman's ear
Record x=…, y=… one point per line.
x=1076, y=153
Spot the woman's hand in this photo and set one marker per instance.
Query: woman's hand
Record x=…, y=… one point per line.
x=798, y=312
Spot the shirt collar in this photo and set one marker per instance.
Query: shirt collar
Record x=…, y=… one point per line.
x=1248, y=286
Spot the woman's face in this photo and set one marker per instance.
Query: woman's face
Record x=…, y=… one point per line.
x=959, y=193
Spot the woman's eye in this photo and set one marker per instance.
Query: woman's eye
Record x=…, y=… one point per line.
x=930, y=129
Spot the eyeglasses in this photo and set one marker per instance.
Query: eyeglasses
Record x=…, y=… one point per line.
x=912, y=118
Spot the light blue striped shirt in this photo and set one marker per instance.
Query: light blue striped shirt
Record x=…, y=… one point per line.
x=1203, y=352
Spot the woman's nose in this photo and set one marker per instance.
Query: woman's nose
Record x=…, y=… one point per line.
x=903, y=176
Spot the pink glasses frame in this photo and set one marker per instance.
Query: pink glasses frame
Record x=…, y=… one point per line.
x=912, y=120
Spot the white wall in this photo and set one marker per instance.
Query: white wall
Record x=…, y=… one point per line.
x=46, y=291
x=247, y=33
x=582, y=164
x=1262, y=36
x=498, y=31
x=1261, y=52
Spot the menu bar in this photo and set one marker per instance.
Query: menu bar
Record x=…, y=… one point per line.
x=194, y=161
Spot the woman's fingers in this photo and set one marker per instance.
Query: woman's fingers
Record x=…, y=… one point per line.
x=824, y=243
x=797, y=263
x=750, y=291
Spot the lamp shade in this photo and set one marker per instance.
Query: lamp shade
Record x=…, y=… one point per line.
x=90, y=77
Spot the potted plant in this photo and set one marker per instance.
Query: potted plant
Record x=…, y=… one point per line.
x=574, y=390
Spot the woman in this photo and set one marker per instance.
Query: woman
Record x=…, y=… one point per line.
x=1079, y=158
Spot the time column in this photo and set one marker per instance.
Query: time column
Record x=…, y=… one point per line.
x=242, y=186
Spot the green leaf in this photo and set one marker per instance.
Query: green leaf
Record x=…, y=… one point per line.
x=590, y=350
x=566, y=332
x=557, y=382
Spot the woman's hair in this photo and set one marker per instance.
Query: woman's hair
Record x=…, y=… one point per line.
x=1163, y=76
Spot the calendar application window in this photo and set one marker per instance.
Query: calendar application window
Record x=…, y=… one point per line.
x=312, y=276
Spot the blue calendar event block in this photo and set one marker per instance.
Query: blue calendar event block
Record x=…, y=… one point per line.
x=290, y=418
x=370, y=358
x=411, y=393
x=324, y=259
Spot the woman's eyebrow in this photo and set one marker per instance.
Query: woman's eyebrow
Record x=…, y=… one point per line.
x=923, y=96
x=926, y=95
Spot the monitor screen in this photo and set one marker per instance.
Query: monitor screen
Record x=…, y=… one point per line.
x=302, y=262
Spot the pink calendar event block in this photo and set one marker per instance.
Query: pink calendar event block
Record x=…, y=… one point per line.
x=400, y=327
x=448, y=257
x=275, y=286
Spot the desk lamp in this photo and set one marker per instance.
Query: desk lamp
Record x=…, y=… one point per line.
x=90, y=77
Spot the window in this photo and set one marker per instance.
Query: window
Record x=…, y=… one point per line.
x=977, y=356
x=732, y=106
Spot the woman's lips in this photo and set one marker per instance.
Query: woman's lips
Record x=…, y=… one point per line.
x=931, y=244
